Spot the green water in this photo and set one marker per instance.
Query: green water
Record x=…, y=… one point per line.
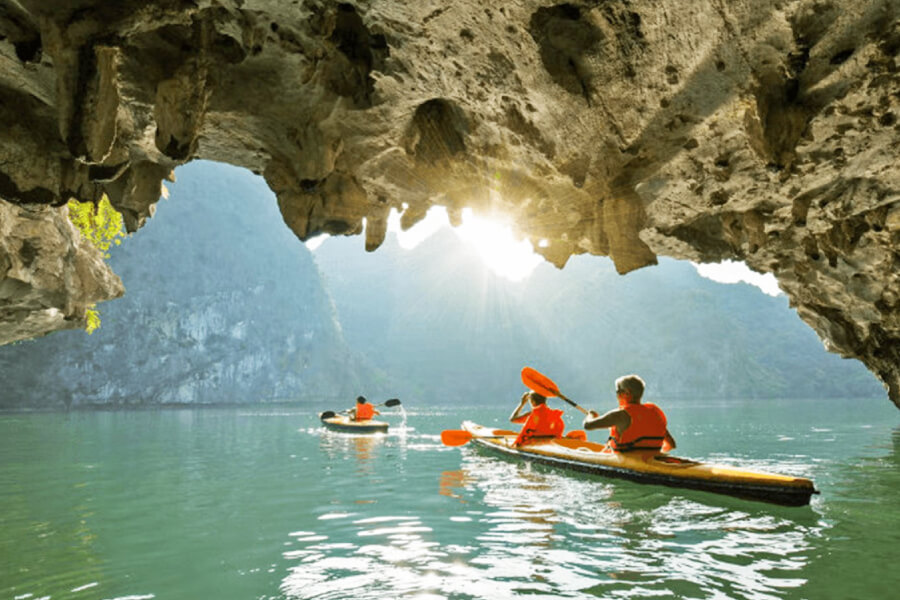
x=251, y=503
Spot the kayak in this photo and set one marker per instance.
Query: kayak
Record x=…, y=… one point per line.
x=647, y=466
x=347, y=425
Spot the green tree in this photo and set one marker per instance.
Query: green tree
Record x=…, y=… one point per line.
x=103, y=227
x=99, y=223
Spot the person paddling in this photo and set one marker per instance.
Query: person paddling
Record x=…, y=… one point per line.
x=540, y=421
x=363, y=411
x=633, y=426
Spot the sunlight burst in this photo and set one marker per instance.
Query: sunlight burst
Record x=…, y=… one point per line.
x=499, y=249
x=492, y=239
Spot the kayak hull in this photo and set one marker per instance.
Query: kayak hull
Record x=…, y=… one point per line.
x=344, y=424
x=647, y=467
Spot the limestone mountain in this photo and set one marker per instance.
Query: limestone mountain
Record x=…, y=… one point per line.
x=451, y=330
x=223, y=305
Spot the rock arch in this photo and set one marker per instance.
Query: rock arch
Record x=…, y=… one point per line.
x=763, y=133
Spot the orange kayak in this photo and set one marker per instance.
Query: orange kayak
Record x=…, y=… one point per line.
x=647, y=467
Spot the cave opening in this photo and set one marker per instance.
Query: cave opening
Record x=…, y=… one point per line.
x=225, y=305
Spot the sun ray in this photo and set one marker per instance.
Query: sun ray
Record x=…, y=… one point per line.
x=499, y=249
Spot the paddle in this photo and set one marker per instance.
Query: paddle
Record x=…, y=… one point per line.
x=328, y=414
x=544, y=386
x=460, y=437
x=538, y=382
x=455, y=437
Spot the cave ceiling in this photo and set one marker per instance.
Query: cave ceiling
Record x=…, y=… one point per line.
x=763, y=131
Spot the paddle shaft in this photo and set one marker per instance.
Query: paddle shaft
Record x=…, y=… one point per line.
x=558, y=393
x=391, y=402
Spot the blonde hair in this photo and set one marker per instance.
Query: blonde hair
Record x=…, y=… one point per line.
x=632, y=384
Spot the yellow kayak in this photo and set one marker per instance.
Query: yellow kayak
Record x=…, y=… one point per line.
x=347, y=425
x=647, y=467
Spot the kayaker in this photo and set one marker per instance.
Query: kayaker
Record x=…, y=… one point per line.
x=363, y=410
x=540, y=421
x=633, y=426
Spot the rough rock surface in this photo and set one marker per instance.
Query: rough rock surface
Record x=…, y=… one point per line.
x=51, y=276
x=760, y=131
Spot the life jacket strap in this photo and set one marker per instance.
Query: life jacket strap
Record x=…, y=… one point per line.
x=641, y=443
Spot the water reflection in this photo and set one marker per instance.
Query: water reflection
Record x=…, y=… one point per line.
x=856, y=543
x=453, y=482
x=233, y=505
x=364, y=449
x=344, y=446
x=388, y=553
x=513, y=530
x=621, y=535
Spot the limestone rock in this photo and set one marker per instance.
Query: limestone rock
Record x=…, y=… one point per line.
x=50, y=274
x=765, y=132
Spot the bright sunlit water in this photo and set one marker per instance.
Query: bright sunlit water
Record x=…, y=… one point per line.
x=252, y=503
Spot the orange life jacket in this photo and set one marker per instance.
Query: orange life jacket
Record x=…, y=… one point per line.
x=646, y=432
x=364, y=412
x=542, y=422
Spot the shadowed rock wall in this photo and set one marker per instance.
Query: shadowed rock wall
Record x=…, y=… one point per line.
x=761, y=131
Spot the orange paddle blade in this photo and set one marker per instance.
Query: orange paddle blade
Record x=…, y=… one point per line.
x=539, y=382
x=455, y=437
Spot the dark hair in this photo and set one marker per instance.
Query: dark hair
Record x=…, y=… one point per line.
x=536, y=398
x=360, y=399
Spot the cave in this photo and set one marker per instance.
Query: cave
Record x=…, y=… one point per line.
x=765, y=134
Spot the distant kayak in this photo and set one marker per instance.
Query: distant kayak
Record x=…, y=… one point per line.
x=347, y=425
x=647, y=467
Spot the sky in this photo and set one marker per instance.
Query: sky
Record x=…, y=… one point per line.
x=516, y=260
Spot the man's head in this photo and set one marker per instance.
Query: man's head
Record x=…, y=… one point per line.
x=536, y=399
x=360, y=399
x=629, y=389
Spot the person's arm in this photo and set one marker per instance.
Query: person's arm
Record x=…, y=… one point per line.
x=668, y=442
x=375, y=411
x=515, y=417
x=617, y=418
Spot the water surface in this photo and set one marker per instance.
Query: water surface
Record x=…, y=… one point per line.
x=249, y=503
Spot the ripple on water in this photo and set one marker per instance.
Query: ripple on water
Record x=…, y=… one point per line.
x=219, y=504
x=548, y=534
